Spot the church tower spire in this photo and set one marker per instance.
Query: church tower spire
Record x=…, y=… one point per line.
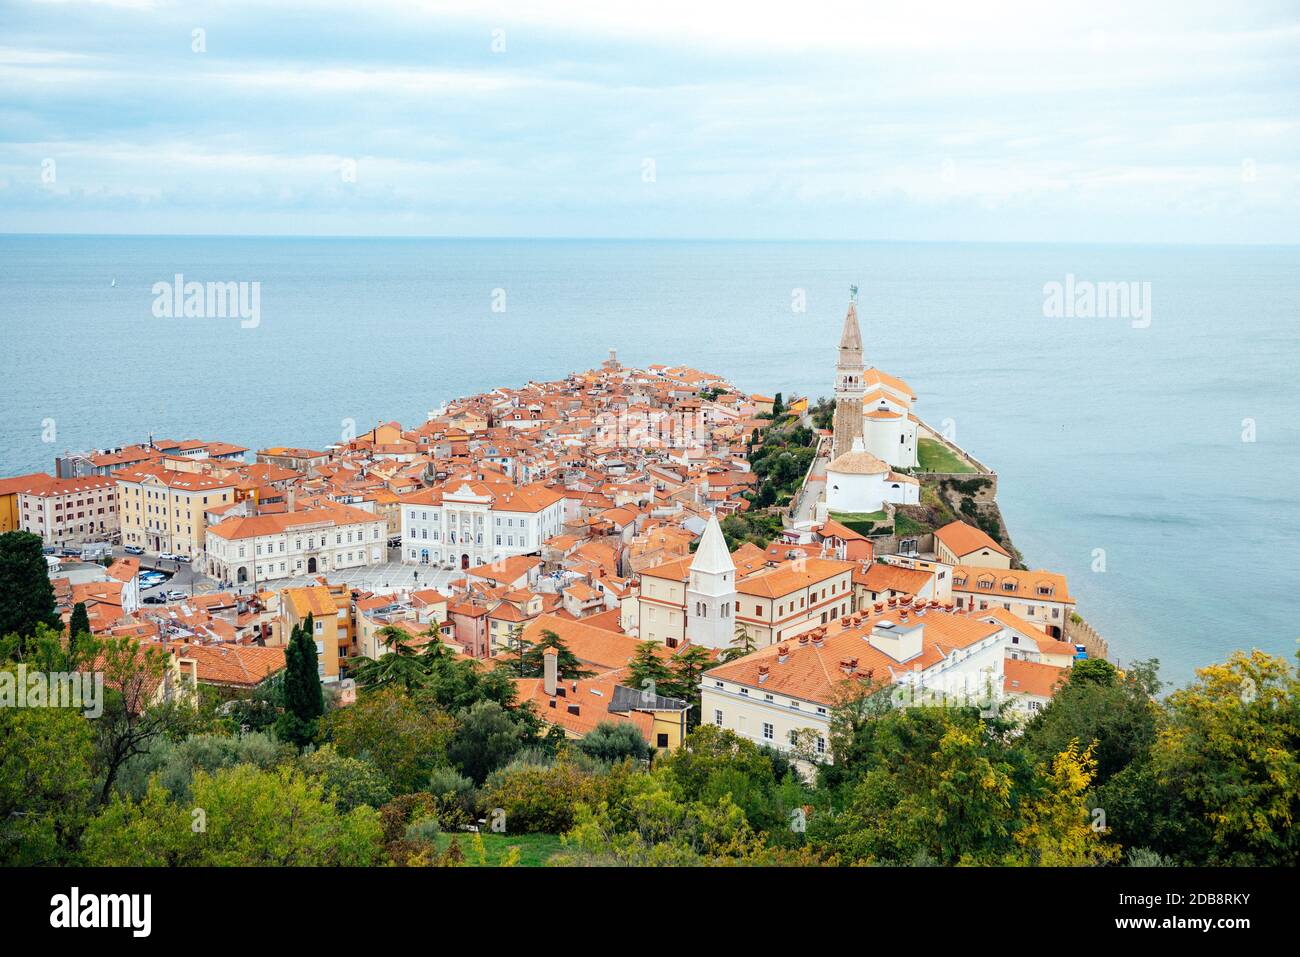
x=850, y=388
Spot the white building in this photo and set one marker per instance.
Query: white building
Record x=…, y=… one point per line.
x=469, y=523
x=711, y=591
x=260, y=548
x=858, y=481
x=786, y=692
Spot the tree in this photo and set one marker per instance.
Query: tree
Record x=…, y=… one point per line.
x=518, y=648
x=78, y=625
x=304, y=701
x=488, y=737
x=402, y=664
x=140, y=703
x=742, y=644
x=778, y=407
x=1231, y=751
x=1057, y=829
x=615, y=741
x=1113, y=715
x=26, y=593
x=240, y=817
x=569, y=666
x=647, y=671
x=349, y=782
x=388, y=729
x=688, y=667
x=46, y=786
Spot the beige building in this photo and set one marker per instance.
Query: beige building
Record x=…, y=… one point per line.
x=1042, y=598
x=960, y=544
x=67, y=511
x=771, y=603
x=261, y=548
x=164, y=510
x=784, y=695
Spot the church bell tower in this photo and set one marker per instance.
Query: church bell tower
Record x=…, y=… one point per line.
x=849, y=386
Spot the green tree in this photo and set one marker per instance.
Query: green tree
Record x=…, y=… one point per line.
x=615, y=741
x=304, y=701
x=349, y=782
x=78, y=626
x=1113, y=714
x=402, y=664
x=569, y=667
x=487, y=737
x=688, y=667
x=46, y=784
x=240, y=817
x=1231, y=751
x=140, y=703
x=742, y=644
x=26, y=594
x=647, y=671
x=388, y=729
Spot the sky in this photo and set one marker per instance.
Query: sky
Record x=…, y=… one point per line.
x=1157, y=122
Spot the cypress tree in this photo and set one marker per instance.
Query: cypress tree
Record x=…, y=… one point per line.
x=304, y=701
x=26, y=594
x=78, y=625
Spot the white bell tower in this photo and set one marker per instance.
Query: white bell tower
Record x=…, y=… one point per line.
x=711, y=591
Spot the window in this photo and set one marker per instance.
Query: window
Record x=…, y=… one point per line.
x=821, y=744
x=767, y=731
x=717, y=717
x=662, y=741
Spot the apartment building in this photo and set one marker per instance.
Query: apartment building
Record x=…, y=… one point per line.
x=67, y=511
x=164, y=510
x=1040, y=597
x=259, y=548
x=783, y=695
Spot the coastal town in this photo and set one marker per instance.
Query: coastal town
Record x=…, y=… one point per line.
x=790, y=545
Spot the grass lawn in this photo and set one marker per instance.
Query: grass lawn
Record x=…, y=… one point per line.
x=864, y=523
x=534, y=849
x=903, y=525
x=845, y=517
x=934, y=456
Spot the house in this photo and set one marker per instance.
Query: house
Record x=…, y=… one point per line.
x=783, y=695
x=1040, y=597
x=960, y=544
x=578, y=706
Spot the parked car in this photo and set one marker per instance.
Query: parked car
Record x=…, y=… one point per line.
x=153, y=600
x=176, y=596
x=168, y=557
x=133, y=550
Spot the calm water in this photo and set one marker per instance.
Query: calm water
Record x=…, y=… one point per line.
x=1105, y=436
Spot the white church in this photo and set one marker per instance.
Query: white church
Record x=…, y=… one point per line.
x=875, y=432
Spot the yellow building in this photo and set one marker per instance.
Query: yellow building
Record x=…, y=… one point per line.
x=9, y=489
x=331, y=624
x=163, y=509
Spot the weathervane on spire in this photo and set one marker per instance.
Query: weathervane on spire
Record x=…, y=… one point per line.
x=853, y=293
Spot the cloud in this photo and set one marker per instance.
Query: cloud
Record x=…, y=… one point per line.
x=844, y=120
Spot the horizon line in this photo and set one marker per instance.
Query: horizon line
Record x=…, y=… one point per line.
x=638, y=239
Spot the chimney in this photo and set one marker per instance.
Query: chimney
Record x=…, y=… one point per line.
x=550, y=670
x=782, y=653
x=763, y=672
x=817, y=638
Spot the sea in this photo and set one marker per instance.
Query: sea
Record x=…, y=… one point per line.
x=1147, y=449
